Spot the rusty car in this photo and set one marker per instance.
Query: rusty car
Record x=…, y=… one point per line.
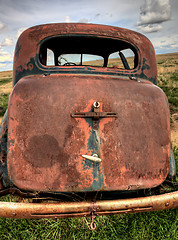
x=87, y=129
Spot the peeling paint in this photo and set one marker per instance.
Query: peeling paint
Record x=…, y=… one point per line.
x=27, y=50
x=129, y=145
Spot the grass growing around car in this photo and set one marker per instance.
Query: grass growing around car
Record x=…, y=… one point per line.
x=150, y=225
x=5, y=89
x=160, y=225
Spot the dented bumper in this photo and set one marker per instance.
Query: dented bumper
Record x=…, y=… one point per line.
x=79, y=209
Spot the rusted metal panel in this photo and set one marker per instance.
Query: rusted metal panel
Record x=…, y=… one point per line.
x=26, y=58
x=78, y=209
x=3, y=152
x=46, y=143
x=84, y=129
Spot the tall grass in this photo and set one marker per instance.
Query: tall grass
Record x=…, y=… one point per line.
x=152, y=225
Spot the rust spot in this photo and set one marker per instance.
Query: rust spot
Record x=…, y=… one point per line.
x=44, y=151
x=30, y=66
x=68, y=133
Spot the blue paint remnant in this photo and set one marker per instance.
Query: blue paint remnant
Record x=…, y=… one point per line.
x=22, y=72
x=93, y=146
x=6, y=182
x=18, y=48
x=147, y=67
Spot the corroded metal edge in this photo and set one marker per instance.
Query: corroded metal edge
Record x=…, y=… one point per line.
x=79, y=209
x=26, y=57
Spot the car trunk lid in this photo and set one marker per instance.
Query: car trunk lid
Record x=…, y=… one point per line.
x=87, y=133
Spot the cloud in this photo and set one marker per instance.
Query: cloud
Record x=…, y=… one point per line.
x=67, y=19
x=83, y=20
x=7, y=42
x=155, y=11
x=5, y=60
x=152, y=14
x=6, y=66
x=2, y=65
x=150, y=28
x=167, y=42
x=97, y=15
x=2, y=26
x=5, y=56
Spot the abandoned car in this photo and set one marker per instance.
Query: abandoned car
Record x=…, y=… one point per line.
x=87, y=130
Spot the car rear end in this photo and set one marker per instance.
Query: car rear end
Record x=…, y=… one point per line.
x=97, y=137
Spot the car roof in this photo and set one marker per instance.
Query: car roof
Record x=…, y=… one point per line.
x=28, y=45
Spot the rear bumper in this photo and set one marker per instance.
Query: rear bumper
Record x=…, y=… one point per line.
x=79, y=209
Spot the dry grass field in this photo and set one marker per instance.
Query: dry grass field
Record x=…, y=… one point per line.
x=5, y=90
x=168, y=81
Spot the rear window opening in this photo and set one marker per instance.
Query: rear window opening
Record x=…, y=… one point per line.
x=80, y=60
x=122, y=59
x=88, y=51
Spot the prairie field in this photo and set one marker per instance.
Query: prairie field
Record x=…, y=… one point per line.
x=150, y=225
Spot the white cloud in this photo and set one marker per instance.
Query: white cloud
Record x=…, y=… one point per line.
x=153, y=12
x=7, y=42
x=2, y=65
x=169, y=42
x=149, y=28
x=5, y=66
x=67, y=19
x=2, y=26
x=5, y=56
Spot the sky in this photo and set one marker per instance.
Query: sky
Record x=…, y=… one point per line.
x=156, y=19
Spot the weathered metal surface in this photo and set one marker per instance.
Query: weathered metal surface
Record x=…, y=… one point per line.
x=4, y=180
x=26, y=58
x=95, y=115
x=78, y=209
x=46, y=144
x=84, y=129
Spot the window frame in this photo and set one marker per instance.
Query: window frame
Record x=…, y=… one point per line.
x=89, y=69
